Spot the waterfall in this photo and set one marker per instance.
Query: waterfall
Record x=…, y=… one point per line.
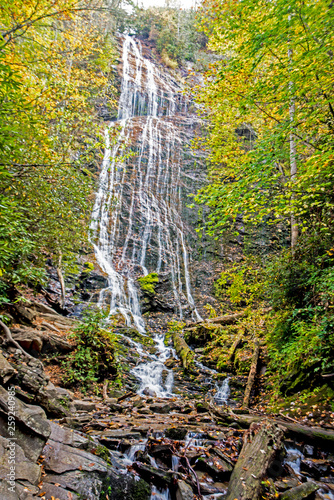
x=136, y=223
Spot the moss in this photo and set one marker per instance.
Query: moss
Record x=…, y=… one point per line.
x=103, y=452
x=147, y=283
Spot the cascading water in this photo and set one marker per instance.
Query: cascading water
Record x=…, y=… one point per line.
x=223, y=392
x=136, y=224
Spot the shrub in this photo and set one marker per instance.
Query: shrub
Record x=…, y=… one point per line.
x=95, y=357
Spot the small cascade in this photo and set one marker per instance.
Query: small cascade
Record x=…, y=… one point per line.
x=130, y=455
x=293, y=458
x=160, y=493
x=151, y=373
x=175, y=463
x=223, y=392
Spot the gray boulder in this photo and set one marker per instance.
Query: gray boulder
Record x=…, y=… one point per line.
x=32, y=428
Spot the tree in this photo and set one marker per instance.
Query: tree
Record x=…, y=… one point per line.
x=269, y=103
x=54, y=73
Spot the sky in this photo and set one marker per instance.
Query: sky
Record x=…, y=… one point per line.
x=185, y=4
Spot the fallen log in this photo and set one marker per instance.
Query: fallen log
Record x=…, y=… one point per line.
x=227, y=319
x=234, y=347
x=315, y=435
x=260, y=445
x=183, y=351
x=252, y=374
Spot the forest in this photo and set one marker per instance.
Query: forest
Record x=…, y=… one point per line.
x=167, y=249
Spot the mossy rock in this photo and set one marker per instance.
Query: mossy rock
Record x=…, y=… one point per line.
x=147, y=283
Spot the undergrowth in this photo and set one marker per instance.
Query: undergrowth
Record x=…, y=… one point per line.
x=95, y=356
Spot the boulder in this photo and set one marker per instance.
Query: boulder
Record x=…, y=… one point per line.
x=32, y=429
x=30, y=376
x=217, y=467
x=6, y=370
x=184, y=491
x=61, y=458
x=160, y=407
x=69, y=437
x=24, y=469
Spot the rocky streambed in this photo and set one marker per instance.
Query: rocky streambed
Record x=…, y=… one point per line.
x=136, y=445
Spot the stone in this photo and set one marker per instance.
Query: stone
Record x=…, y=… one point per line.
x=115, y=408
x=170, y=363
x=202, y=406
x=286, y=484
x=69, y=437
x=6, y=369
x=24, y=468
x=177, y=433
x=305, y=490
x=53, y=491
x=32, y=428
x=61, y=458
x=84, y=405
x=152, y=474
x=184, y=491
x=160, y=407
x=217, y=467
x=316, y=468
x=31, y=376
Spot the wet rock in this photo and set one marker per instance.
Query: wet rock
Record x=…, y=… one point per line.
x=6, y=370
x=119, y=434
x=152, y=474
x=170, y=363
x=177, y=433
x=308, y=450
x=184, y=491
x=32, y=429
x=314, y=467
x=286, y=484
x=218, y=468
x=305, y=490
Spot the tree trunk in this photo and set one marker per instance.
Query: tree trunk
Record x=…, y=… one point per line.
x=318, y=435
x=293, y=158
x=184, y=352
x=252, y=373
x=261, y=443
x=61, y=281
